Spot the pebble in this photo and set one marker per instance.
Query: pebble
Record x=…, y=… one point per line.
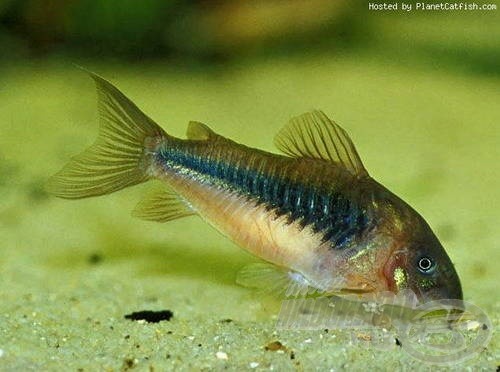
x=472, y=325
x=221, y=355
x=1, y=353
x=254, y=365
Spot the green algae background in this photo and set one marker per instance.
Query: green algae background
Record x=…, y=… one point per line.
x=71, y=270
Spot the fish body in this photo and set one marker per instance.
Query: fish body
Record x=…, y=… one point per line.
x=314, y=213
x=278, y=208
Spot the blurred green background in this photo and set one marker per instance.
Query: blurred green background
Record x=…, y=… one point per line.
x=418, y=91
x=203, y=33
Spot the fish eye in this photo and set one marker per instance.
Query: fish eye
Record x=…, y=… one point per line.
x=426, y=265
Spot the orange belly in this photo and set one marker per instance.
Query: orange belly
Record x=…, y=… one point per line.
x=273, y=238
x=251, y=226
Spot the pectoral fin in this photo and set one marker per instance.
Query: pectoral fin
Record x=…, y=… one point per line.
x=269, y=278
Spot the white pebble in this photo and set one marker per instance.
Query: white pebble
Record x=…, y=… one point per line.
x=1, y=353
x=221, y=355
x=472, y=325
x=308, y=341
x=254, y=365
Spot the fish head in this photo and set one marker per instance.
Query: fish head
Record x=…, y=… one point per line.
x=422, y=266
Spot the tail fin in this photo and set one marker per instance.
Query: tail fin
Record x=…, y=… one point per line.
x=118, y=158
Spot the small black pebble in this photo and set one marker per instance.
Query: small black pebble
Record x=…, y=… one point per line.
x=127, y=364
x=199, y=345
x=127, y=337
x=485, y=327
x=226, y=320
x=292, y=355
x=398, y=342
x=150, y=316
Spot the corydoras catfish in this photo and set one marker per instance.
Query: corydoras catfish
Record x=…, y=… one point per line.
x=314, y=215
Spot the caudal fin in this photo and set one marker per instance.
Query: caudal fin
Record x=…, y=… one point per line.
x=119, y=158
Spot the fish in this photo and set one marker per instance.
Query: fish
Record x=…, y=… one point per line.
x=313, y=215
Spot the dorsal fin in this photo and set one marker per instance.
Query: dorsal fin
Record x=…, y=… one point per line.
x=199, y=131
x=314, y=135
x=162, y=205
